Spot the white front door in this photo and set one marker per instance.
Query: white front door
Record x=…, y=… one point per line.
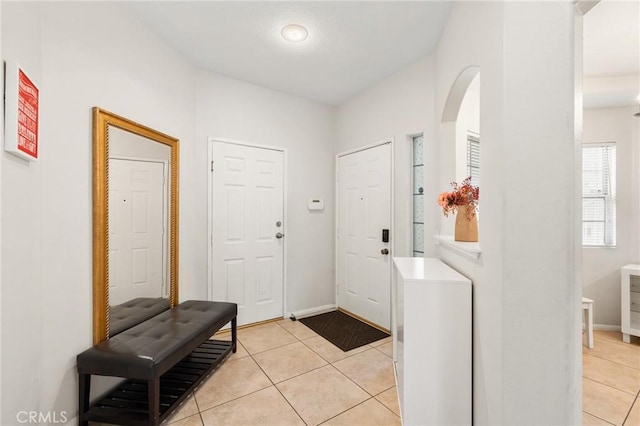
x=248, y=215
x=136, y=229
x=364, y=211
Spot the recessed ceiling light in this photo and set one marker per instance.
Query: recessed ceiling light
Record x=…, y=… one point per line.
x=294, y=33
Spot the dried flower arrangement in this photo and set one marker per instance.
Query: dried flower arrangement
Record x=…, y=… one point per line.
x=462, y=195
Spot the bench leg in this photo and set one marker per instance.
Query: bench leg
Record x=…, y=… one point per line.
x=234, y=333
x=84, y=388
x=154, y=401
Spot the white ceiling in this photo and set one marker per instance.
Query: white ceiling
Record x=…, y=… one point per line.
x=612, y=39
x=612, y=54
x=354, y=44
x=351, y=45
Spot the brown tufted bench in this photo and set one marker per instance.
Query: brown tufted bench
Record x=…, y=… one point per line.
x=133, y=312
x=165, y=358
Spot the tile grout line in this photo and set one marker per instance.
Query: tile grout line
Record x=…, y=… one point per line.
x=636, y=399
x=233, y=399
x=341, y=359
x=602, y=357
x=344, y=411
x=340, y=372
x=273, y=383
x=599, y=418
x=353, y=381
x=328, y=363
x=610, y=360
x=349, y=378
x=612, y=387
x=278, y=389
x=633, y=394
x=198, y=407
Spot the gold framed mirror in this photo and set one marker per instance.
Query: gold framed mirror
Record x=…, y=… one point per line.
x=135, y=217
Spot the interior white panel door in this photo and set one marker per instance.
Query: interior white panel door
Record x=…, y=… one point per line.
x=136, y=230
x=364, y=210
x=248, y=202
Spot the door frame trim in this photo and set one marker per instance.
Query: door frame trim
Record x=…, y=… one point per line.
x=391, y=142
x=210, y=141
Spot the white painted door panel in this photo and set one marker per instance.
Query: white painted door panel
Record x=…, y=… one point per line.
x=248, y=201
x=364, y=210
x=136, y=230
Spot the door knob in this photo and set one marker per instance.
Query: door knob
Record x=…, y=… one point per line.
x=384, y=251
x=279, y=235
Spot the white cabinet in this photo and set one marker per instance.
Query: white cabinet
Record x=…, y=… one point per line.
x=630, y=292
x=432, y=342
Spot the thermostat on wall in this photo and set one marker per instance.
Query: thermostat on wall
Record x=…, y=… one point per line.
x=316, y=204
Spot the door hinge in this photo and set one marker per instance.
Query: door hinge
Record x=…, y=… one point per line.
x=211, y=165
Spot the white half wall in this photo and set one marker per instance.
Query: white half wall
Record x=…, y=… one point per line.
x=398, y=107
x=83, y=55
x=601, y=265
x=234, y=110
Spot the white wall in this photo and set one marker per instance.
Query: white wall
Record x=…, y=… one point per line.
x=235, y=110
x=397, y=107
x=1, y=144
x=82, y=55
x=524, y=291
x=601, y=266
x=95, y=54
x=457, y=51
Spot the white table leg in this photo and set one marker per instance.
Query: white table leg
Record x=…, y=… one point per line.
x=590, y=326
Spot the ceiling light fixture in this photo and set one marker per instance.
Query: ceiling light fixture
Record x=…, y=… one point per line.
x=294, y=33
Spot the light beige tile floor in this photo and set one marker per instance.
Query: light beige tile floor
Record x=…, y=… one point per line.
x=285, y=374
x=611, y=381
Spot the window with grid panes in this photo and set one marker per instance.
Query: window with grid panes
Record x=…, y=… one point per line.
x=473, y=157
x=418, y=196
x=599, y=195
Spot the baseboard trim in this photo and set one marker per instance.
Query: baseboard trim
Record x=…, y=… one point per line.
x=606, y=327
x=312, y=311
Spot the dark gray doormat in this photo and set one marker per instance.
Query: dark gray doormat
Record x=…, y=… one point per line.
x=343, y=330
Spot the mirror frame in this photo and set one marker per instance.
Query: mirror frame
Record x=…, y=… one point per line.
x=101, y=121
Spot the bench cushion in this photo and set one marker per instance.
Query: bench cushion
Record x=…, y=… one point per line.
x=152, y=347
x=133, y=312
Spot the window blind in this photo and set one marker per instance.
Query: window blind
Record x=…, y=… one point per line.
x=599, y=195
x=473, y=158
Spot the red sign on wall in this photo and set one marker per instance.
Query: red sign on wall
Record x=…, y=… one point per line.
x=21, y=112
x=27, y=115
